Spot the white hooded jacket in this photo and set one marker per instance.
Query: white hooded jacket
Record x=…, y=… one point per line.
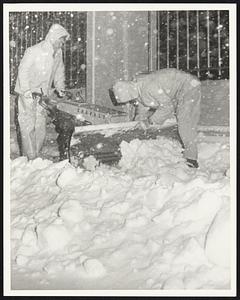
x=39, y=68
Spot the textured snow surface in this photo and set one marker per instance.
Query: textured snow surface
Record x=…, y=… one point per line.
x=150, y=223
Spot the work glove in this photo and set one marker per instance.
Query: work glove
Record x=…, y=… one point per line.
x=61, y=93
x=28, y=95
x=134, y=102
x=192, y=163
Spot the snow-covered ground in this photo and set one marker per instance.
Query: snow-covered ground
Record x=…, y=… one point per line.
x=151, y=223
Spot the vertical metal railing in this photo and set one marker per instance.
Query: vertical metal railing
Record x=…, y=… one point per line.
x=198, y=57
x=93, y=56
x=125, y=45
x=158, y=24
x=219, y=45
x=187, y=24
x=31, y=20
x=208, y=42
x=167, y=39
x=177, y=48
x=42, y=28
x=21, y=40
x=150, y=48
x=78, y=49
x=71, y=53
x=194, y=41
x=36, y=29
x=25, y=30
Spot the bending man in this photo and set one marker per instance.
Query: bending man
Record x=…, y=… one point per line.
x=161, y=95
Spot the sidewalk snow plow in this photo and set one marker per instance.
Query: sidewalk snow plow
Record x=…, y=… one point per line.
x=99, y=131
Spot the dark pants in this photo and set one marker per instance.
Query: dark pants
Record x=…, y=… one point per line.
x=64, y=126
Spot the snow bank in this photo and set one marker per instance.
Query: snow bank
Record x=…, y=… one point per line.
x=150, y=223
x=218, y=238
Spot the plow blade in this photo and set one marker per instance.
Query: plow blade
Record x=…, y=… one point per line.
x=102, y=141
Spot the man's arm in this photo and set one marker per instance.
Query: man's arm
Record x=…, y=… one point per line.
x=59, y=77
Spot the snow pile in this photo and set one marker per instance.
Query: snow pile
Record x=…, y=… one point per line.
x=144, y=158
x=218, y=237
x=90, y=163
x=219, y=151
x=151, y=223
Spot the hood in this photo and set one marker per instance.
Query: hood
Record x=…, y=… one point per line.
x=125, y=91
x=55, y=32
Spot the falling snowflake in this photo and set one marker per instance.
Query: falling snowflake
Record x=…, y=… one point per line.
x=83, y=66
x=99, y=146
x=12, y=44
x=109, y=31
x=80, y=117
x=11, y=18
x=209, y=74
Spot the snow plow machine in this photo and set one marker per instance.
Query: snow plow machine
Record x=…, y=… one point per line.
x=92, y=130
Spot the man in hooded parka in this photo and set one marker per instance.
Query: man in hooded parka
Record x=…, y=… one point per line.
x=163, y=94
x=41, y=66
